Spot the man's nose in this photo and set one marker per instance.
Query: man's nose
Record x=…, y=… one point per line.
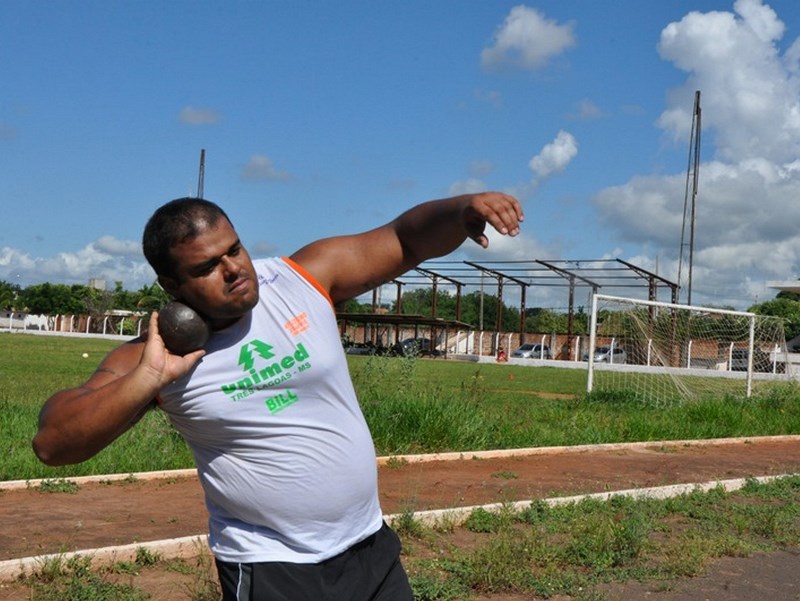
x=230, y=266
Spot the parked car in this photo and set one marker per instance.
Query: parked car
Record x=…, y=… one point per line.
x=360, y=349
x=418, y=347
x=605, y=354
x=739, y=359
x=532, y=351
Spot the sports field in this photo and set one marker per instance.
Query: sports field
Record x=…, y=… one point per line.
x=416, y=406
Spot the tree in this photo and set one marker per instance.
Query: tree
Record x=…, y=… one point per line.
x=124, y=300
x=545, y=321
x=150, y=298
x=789, y=295
x=52, y=299
x=8, y=295
x=419, y=301
x=353, y=306
x=785, y=308
x=97, y=302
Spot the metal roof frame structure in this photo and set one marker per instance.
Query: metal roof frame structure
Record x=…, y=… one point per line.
x=595, y=274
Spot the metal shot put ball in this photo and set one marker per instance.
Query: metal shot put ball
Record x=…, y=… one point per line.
x=181, y=328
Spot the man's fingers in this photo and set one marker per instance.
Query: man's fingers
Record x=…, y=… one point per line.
x=510, y=214
x=482, y=240
x=501, y=211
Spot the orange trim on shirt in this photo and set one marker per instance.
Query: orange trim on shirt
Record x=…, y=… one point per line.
x=309, y=278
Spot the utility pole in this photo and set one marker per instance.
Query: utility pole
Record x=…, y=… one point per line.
x=201, y=176
x=690, y=196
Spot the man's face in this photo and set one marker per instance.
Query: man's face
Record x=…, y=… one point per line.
x=214, y=275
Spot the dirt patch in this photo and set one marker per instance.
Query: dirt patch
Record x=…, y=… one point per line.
x=105, y=514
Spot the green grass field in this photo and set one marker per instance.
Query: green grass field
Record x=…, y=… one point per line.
x=421, y=406
x=411, y=405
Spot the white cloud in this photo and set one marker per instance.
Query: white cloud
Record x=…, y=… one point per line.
x=527, y=40
x=491, y=97
x=748, y=96
x=112, y=246
x=198, y=116
x=262, y=249
x=480, y=168
x=555, y=156
x=523, y=247
x=586, y=110
x=261, y=168
x=13, y=262
x=107, y=258
x=747, y=206
x=470, y=186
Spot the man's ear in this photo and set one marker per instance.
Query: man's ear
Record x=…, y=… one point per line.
x=170, y=285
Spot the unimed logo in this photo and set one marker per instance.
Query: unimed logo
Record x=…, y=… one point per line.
x=263, y=369
x=263, y=349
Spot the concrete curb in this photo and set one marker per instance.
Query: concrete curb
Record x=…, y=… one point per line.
x=161, y=475
x=523, y=452
x=184, y=547
x=192, y=546
x=458, y=515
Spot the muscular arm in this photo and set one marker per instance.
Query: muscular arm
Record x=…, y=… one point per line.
x=350, y=265
x=77, y=423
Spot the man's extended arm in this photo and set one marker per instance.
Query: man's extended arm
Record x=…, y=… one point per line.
x=350, y=265
x=77, y=423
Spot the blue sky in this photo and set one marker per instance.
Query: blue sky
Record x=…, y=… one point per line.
x=323, y=118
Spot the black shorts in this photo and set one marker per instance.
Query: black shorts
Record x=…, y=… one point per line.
x=367, y=571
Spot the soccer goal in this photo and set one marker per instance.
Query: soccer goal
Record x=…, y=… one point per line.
x=664, y=352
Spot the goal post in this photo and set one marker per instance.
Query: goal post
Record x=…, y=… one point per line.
x=662, y=352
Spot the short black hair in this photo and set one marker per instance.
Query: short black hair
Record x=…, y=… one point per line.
x=175, y=222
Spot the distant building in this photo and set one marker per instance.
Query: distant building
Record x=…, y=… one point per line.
x=97, y=283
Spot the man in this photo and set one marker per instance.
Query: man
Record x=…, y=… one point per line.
x=283, y=452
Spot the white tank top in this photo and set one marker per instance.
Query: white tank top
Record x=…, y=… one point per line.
x=282, y=449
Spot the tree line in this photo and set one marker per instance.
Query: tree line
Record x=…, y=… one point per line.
x=75, y=299
x=476, y=309
x=479, y=310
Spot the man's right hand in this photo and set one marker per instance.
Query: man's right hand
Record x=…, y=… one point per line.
x=160, y=366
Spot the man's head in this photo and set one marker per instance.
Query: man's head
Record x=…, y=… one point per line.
x=199, y=259
x=173, y=223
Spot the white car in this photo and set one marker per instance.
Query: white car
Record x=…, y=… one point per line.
x=605, y=354
x=532, y=351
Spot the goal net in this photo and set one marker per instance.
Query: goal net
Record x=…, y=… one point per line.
x=664, y=353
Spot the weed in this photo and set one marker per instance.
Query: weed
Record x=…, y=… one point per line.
x=569, y=549
x=205, y=586
x=146, y=557
x=535, y=513
x=406, y=524
x=179, y=566
x=482, y=520
x=446, y=523
x=74, y=579
x=59, y=485
x=505, y=475
x=435, y=587
x=502, y=563
x=395, y=463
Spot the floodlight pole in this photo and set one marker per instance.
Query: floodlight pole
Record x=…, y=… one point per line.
x=690, y=202
x=201, y=175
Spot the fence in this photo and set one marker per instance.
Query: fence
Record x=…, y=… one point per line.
x=116, y=324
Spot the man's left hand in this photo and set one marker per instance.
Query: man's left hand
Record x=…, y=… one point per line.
x=502, y=211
